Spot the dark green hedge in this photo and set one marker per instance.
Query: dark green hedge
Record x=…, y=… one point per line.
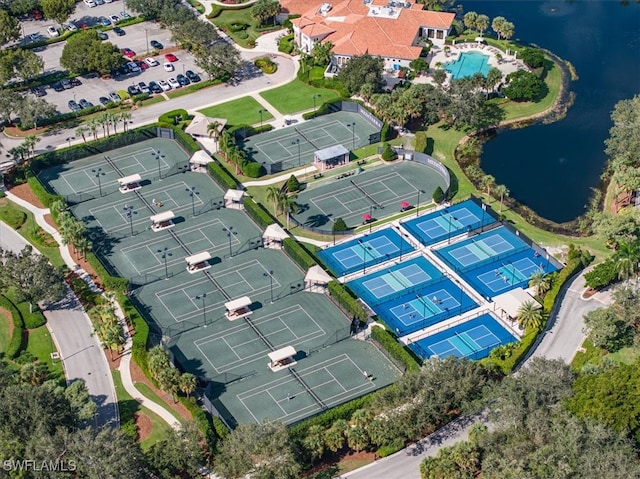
x=602, y=275
x=111, y=283
x=83, y=150
x=388, y=449
x=220, y=427
x=258, y=213
x=299, y=254
x=141, y=334
x=327, y=418
x=169, y=117
x=420, y=142
x=348, y=302
x=185, y=140
x=220, y=174
x=203, y=420
x=573, y=266
x=286, y=44
x=16, y=343
x=31, y=320
x=248, y=130
x=398, y=352
x=39, y=190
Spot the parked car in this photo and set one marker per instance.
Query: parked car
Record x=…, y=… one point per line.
x=168, y=67
x=142, y=86
x=104, y=21
x=152, y=62
x=38, y=91
x=133, y=67
x=57, y=86
x=102, y=35
x=142, y=65
x=90, y=3
x=66, y=84
x=99, y=2
x=34, y=37
x=104, y=100
x=183, y=80
x=114, y=96
x=173, y=82
x=72, y=27
x=124, y=15
x=171, y=57
x=75, y=82
x=73, y=106
x=164, y=85
x=194, y=77
x=154, y=87
x=119, y=31
x=52, y=31
x=155, y=44
x=133, y=90
x=85, y=104
x=127, y=52
x=114, y=19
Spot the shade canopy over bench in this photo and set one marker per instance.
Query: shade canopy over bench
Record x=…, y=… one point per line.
x=162, y=221
x=238, y=308
x=129, y=183
x=198, y=262
x=282, y=358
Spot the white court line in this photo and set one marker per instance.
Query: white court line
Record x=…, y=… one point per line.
x=224, y=338
x=276, y=402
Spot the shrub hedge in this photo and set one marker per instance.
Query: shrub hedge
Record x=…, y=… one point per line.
x=203, y=420
x=33, y=319
x=16, y=343
x=388, y=449
x=185, y=140
x=39, y=190
x=347, y=301
x=220, y=174
x=299, y=254
x=248, y=130
x=420, y=142
x=169, y=118
x=285, y=44
x=111, y=283
x=386, y=133
x=602, y=275
x=258, y=213
x=574, y=265
x=221, y=429
x=388, y=341
x=141, y=335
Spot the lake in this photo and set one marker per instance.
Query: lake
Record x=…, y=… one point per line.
x=552, y=168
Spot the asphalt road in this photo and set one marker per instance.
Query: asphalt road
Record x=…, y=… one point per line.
x=78, y=347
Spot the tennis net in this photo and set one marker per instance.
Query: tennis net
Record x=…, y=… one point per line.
x=260, y=335
x=366, y=194
x=113, y=165
x=308, y=389
x=306, y=138
x=427, y=305
x=469, y=345
x=485, y=248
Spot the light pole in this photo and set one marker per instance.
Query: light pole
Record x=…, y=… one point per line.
x=451, y=218
x=69, y=138
x=164, y=254
x=98, y=172
x=158, y=156
x=192, y=193
x=128, y=209
x=204, y=307
x=230, y=234
x=513, y=273
x=424, y=309
x=146, y=36
x=270, y=275
x=418, y=205
x=364, y=256
x=371, y=208
x=317, y=95
x=261, y=111
x=297, y=142
x=352, y=125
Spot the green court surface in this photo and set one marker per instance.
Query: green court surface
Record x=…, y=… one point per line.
x=378, y=191
x=186, y=311
x=297, y=96
x=280, y=147
x=243, y=111
x=97, y=175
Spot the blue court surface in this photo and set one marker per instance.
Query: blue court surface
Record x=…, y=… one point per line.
x=449, y=222
x=507, y=273
x=366, y=251
x=485, y=248
x=396, y=281
x=426, y=307
x=472, y=339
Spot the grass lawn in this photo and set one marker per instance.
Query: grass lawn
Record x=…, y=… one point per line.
x=148, y=392
x=297, y=96
x=41, y=346
x=626, y=355
x=129, y=406
x=238, y=112
x=592, y=355
x=4, y=332
x=245, y=37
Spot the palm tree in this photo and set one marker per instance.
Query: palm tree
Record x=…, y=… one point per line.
x=530, y=315
x=34, y=373
x=288, y=205
x=187, y=383
x=313, y=441
x=273, y=194
x=214, y=132
x=30, y=144
x=540, y=282
x=501, y=191
x=357, y=438
x=486, y=183
x=626, y=258
x=81, y=130
x=93, y=126
x=125, y=116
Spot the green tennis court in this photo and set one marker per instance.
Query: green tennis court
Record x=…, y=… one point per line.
x=97, y=175
x=377, y=191
x=279, y=148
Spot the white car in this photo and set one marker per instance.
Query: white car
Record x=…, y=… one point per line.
x=173, y=82
x=168, y=67
x=89, y=3
x=152, y=62
x=52, y=31
x=72, y=27
x=164, y=85
x=114, y=19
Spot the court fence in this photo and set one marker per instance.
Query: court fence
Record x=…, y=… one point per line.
x=337, y=336
x=491, y=259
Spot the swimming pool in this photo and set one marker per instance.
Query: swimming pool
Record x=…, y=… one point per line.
x=467, y=64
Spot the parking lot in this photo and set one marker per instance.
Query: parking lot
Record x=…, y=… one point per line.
x=137, y=38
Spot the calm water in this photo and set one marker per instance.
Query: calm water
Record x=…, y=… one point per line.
x=551, y=168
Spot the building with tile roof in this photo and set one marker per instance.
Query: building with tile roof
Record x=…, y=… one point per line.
x=394, y=31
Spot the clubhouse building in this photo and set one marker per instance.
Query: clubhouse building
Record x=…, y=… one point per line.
x=395, y=31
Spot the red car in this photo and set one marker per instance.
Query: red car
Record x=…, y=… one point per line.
x=171, y=57
x=142, y=65
x=127, y=52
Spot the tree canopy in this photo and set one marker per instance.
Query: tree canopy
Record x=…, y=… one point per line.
x=85, y=52
x=523, y=86
x=360, y=70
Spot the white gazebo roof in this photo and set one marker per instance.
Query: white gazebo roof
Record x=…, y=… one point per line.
x=198, y=258
x=282, y=353
x=275, y=232
x=234, y=195
x=199, y=126
x=317, y=275
x=511, y=301
x=239, y=303
x=162, y=217
x=129, y=179
x=331, y=152
x=200, y=158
